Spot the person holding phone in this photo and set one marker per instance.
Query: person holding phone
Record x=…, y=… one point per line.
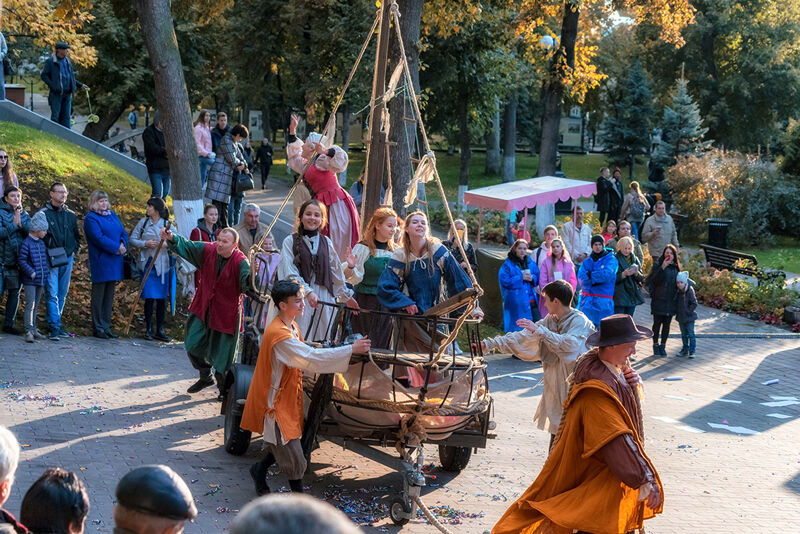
x=14, y=225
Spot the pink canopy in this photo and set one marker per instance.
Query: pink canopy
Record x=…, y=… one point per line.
x=528, y=193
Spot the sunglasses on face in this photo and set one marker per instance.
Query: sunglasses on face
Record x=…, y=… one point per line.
x=3, y=156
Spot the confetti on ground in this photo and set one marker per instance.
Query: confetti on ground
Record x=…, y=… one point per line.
x=93, y=409
x=363, y=510
x=449, y=515
x=10, y=383
x=49, y=400
x=214, y=489
x=226, y=510
x=728, y=400
x=770, y=382
x=735, y=429
x=672, y=378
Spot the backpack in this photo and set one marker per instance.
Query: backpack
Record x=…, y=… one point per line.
x=636, y=210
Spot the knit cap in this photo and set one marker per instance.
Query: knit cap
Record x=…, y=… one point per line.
x=39, y=222
x=598, y=239
x=683, y=276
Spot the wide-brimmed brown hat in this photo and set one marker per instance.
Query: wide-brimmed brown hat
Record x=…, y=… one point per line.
x=618, y=329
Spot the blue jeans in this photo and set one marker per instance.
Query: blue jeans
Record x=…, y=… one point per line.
x=60, y=108
x=205, y=164
x=235, y=210
x=687, y=336
x=635, y=227
x=627, y=310
x=160, y=183
x=57, y=288
x=12, y=300
x=2, y=83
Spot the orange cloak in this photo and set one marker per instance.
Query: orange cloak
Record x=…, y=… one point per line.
x=576, y=490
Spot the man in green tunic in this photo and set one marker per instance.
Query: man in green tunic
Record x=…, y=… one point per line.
x=212, y=329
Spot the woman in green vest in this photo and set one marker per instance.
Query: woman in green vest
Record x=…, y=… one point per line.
x=362, y=268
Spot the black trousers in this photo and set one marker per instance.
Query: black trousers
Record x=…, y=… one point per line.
x=265, y=173
x=222, y=209
x=161, y=310
x=204, y=368
x=603, y=218
x=661, y=323
x=102, y=305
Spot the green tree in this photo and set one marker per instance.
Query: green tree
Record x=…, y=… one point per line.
x=682, y=129
x=742, y=59
x=790, y=161
x=626, y=133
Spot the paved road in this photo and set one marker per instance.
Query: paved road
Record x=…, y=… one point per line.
x=124, y=405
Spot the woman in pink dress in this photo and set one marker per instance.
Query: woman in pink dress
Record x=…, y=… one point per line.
x=557, y=266
x=322, y=182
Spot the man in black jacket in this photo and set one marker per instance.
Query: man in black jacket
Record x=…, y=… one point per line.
x=155, y=157
x=219, y=131
x=59, y=76
x=62, y=232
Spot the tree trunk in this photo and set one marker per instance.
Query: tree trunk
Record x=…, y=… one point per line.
x=403, y=133
x=492, y=167
x=266, y=127
x=345, y=107
x=173, y=101
x=510, y=139
x=562, y=63
x=98, y=130
x=463, y=141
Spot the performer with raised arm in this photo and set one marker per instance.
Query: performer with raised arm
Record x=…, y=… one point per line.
x=311, y=259
x=212, y=328
x=597, y=477
x=556, y=341
x=320, y=177
x=274, y=406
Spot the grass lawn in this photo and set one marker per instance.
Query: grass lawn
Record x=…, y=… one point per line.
x=784, y=255
x=575, y=166
x=40, y=159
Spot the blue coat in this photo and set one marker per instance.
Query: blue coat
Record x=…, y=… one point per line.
x=11, y=235
x=598, y=278
x=33, y=261
x=104, y=235
x=423, y=281
x=517, y=293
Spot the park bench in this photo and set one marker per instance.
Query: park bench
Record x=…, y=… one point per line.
x=738, y=262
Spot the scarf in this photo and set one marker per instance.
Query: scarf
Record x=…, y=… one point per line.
x=522, y=263
x=316, y=265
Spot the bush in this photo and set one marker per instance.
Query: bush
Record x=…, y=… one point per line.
x=725, y=291
x=759, y=199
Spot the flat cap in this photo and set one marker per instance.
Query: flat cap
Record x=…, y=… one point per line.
x=156, y=490
x=62, y=45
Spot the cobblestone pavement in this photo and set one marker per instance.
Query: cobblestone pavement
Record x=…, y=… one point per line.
x=121, y=404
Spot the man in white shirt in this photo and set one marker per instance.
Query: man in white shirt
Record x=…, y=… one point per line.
x=274, y=406
x=577, y=238
x=557, y=341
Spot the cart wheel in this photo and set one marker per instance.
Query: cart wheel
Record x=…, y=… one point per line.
x=398, y=507
x=237, y=441
x=454, y=458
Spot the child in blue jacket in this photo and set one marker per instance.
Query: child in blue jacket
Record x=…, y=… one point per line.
x=34, y=270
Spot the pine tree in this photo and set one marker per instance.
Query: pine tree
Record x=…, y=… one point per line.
x=626, y=134
x=682, y=129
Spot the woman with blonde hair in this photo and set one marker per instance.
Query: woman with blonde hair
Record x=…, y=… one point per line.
x=7, y=177
x=635, y=208
x=363, y=267
x=460, y=228
x=420, y=266
x=108, y=242
x=557, y=266
x=627, y=291
x=309, y=257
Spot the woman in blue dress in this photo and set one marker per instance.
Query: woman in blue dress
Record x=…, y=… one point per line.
x=518, y=277
x=412, y=282
x=146, y=237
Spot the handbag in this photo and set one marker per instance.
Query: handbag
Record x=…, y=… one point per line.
x=130, y=266
x=57, y=257
x=243, y=182
x=8, y=68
